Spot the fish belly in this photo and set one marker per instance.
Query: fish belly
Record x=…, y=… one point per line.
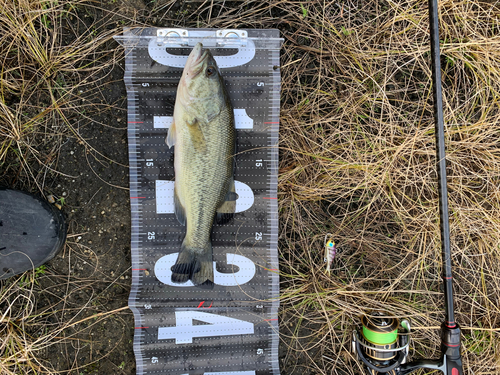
x=202, y=181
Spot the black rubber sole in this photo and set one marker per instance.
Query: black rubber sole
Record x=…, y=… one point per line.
x=32, y=232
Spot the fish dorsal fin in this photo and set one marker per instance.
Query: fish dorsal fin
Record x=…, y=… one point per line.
x=170, y=141
x=196, y=134
x=226, y=210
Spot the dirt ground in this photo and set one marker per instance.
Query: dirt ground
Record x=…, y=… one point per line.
x=356, y=159
x=93, y=270
x=91, y=277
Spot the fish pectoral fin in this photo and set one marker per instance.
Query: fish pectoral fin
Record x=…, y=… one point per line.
x=231, y=196
x=170, y=140
x=197, y=136
x=180, y=213
x=212, y=112
x=226, y=210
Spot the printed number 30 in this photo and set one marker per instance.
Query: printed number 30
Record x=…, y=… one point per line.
x=245, y=273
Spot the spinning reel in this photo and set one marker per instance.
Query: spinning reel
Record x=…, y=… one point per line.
x=382, y=343
x=382, y=346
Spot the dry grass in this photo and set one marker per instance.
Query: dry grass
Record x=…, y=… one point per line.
x=357, y=159
x=27, y=332
x=51, y=64
x=49, y=57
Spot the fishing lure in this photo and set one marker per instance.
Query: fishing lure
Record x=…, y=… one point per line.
x=330, y=251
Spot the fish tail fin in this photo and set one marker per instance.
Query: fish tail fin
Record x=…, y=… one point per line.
x=195, y=264
x=184, y=266
x=204, y=275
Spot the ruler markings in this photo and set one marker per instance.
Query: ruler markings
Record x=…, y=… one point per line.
x=143, y=195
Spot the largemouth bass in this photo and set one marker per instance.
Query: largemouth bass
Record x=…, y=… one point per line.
x=204, y=137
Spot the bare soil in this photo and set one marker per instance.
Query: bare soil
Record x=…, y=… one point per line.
x=356, y=159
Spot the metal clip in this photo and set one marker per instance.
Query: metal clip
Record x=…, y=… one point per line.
x=232, y=37
x=178, y=37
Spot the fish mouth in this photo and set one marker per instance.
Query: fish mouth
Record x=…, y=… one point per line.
x=196, y=60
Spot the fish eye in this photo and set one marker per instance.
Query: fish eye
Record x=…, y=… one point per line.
x=210, y=70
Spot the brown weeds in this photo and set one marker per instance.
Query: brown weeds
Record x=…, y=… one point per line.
x=51, y=62
x=358, y=159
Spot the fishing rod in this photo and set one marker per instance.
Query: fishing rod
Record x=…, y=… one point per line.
x=379, y=345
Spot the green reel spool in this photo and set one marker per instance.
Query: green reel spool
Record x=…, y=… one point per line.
x=381, y=343
x=380, y=332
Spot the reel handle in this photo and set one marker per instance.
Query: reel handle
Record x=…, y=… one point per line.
x=454, y=367
x=446, y=365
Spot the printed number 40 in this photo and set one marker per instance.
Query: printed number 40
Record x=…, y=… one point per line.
x=184, y=330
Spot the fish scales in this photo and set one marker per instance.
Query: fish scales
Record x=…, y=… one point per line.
x=204, y=137
x=205, y=176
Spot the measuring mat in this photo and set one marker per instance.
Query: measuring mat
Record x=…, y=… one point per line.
x=179, y=328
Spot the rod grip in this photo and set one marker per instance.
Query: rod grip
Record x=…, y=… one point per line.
x=451, y=347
